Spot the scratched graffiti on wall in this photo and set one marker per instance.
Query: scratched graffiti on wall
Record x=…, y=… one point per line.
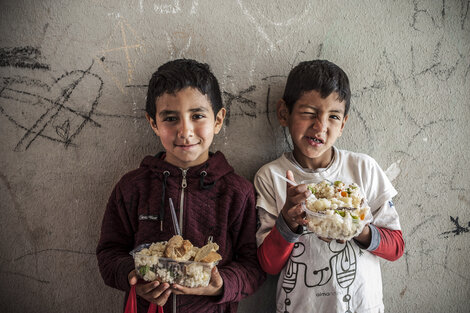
x=274, y=31
x=22, y=57
x=123, y=43
x=458, y=229
x=56, y=112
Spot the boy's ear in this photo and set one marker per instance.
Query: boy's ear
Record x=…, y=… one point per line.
x=345, y=119
x=282, y=113
x=152, y=123
x=219, y=120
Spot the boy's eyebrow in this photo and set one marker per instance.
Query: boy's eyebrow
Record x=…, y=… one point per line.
x=199, y=109
x=167, y=112
x=170, y=112
x=314, y=108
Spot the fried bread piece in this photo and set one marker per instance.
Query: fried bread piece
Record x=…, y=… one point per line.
x=208, y=253
x=178, y=249
x=211, y=257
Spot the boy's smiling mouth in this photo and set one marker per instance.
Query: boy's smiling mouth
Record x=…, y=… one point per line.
x=186, y=146
x=315, y=140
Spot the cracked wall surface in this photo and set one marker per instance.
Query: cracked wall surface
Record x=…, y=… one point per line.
x=73, y=79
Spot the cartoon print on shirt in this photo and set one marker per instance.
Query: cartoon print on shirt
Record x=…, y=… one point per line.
x=342, y=264
x=290, y=277
x=345, y=267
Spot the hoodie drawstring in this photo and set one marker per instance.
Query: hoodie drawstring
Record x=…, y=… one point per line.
x=201, y=181
x=162, y=205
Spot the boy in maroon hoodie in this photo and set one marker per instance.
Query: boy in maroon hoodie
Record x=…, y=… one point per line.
x=184, y=109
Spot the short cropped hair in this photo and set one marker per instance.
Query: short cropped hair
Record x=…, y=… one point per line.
x=176, y=75
x=320, y=75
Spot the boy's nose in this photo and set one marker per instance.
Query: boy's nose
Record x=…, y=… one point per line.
x=319, y=125
x=185, y=129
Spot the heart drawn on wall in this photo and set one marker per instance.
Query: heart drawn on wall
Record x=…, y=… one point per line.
x=56, y=112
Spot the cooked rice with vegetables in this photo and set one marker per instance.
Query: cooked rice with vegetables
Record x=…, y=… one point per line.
x=336, y=210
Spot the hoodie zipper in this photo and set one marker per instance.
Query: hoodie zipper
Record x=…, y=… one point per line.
x=184, y=184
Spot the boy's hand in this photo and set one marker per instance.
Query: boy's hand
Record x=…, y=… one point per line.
x=214, y=288
x=329, y=240
x=292, y=210
x=363, y=238
x=154, y=292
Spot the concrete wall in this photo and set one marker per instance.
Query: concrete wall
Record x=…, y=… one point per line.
x=73, y=78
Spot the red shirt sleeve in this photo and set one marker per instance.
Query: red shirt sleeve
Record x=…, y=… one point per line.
x=391, y=246
x=274, y=252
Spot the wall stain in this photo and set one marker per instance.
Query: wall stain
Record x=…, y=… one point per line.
x=402, y=293
x=464, y=199
x=464, y=9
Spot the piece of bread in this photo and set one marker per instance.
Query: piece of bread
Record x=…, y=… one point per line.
x=178, y=249
x=208, y=253
x=174, y=242
x=211, y=257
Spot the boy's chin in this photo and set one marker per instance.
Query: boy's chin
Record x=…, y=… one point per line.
x=313, y=152
x=307, y=155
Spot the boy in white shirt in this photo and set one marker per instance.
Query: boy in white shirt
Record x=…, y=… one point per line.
x=318, y=274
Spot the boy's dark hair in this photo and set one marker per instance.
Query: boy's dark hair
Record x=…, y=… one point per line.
x=176, y=75
x=319, y=75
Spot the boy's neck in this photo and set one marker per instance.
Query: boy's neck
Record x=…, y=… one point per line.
x=323, y=161
x=163, y=156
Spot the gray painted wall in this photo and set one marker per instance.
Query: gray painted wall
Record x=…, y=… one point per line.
x=73, y=78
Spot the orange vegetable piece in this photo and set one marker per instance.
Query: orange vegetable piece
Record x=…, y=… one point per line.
x=344, y=193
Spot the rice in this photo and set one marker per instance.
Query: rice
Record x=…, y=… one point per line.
x=336, y=211
x=189, y=273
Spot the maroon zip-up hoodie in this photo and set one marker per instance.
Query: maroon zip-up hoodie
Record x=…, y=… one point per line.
x=215, y=202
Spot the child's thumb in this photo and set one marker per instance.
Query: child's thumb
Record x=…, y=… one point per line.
x=216, y=278
x=290, y=175
x=132, y=278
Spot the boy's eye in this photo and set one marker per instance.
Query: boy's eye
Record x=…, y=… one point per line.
x=310, y=114
x=170, y=119
x=198, y=116
x=335, y=117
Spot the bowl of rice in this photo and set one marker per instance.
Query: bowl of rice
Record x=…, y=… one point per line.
x=336, y=210
x=176, y=261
